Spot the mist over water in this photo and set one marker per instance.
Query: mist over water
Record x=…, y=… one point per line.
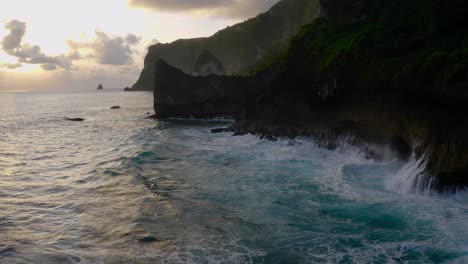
x=118, y=188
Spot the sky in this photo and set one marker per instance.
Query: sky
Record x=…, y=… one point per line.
x=77, y=44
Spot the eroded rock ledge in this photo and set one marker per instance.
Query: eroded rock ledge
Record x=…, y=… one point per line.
x=181, y=95
x=383, y=125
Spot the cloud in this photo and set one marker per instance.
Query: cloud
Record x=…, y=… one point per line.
x=105, y=49
x=30, y=54
x=108, y=49
x=219, y=8
x=13, y=39
x=49, y=67
x=11, y=66
x=132, y=39
x=176, y=5
x=33, y=55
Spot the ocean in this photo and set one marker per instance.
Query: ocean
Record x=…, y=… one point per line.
x=120, y=188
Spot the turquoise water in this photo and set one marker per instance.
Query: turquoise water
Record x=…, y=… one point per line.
x=118, y=188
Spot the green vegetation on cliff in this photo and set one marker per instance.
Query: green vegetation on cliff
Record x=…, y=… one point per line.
x=240, y=47
x=400, y=66
x=383, y=72
x=385, y=44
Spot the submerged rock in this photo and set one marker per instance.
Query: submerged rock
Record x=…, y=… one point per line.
x=75, y=119
x=220, y=130
x=147, y=239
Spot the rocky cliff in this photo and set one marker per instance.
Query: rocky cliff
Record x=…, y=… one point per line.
x=238, y=48
x=178, y=94
x=377, y=73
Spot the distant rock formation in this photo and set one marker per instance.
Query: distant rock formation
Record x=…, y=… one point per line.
x=100, y=87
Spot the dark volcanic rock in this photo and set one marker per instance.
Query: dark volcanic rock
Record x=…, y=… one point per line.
x=181, y=95
x=208, y=64
x=400, y=148
x=148, y=239
x=74, y=119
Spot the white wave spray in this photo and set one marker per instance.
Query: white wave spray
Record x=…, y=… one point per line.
x=412, y=178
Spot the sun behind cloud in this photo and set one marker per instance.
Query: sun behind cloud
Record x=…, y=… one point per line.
x=79, y=42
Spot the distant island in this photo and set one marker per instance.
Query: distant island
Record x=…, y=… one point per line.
x=387, y=73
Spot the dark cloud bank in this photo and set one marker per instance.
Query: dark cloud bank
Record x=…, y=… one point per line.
x=219, y=8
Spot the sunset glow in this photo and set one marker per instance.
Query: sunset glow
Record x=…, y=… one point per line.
x=94, y=26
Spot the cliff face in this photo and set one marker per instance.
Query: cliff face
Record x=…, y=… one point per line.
x=398, y=67
x=238, y=48
x=207, y=64
x=380, y=71
x=178, y=94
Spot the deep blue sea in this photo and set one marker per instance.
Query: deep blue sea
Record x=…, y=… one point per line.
x=119, y=188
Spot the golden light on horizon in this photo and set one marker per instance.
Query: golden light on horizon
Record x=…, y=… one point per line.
x=50, y=24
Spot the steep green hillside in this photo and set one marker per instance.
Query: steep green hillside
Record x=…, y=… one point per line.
x=398, y=66
x=240, y=47
x=386, y=43
x=378, y=72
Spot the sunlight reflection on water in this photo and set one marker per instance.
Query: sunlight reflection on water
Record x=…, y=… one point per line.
x=118, y=188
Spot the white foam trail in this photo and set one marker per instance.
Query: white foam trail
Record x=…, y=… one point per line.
x=412, y=178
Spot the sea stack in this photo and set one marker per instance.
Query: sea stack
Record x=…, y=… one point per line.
x=100, y=87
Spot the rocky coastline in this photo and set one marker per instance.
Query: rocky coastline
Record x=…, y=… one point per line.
x=382, y=127
x=353, y=74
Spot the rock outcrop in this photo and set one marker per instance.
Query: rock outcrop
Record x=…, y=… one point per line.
x=75, y=119
x=239, y=48
x=208, y=64
x=178, y=94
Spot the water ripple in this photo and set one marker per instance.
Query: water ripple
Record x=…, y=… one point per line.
x=118, y=188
